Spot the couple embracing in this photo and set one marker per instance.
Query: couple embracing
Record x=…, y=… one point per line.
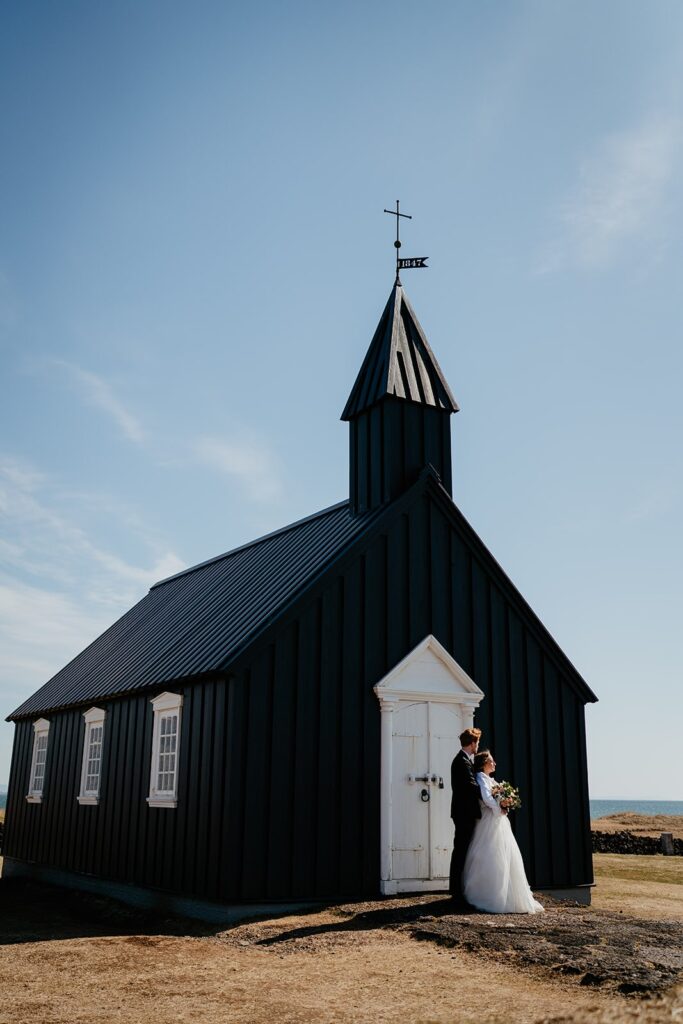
x=487, y=872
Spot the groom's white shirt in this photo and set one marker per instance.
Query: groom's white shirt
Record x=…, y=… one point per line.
x=470, y=757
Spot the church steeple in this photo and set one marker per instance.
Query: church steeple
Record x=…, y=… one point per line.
x=399, y=410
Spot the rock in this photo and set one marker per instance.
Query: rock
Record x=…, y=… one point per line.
x=667, y=843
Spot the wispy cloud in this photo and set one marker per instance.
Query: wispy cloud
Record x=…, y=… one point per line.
x=59, y=588
x=619, y=196
x=39, y=540
x=40, y=630
x=98, y=393
x=19, y=474
x=250, y=463
x=248, y=460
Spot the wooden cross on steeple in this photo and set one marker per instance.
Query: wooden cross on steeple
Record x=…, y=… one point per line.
x=416, y=261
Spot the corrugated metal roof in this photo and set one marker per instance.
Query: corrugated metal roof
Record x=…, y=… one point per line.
x=195, y=621
x=399, y=362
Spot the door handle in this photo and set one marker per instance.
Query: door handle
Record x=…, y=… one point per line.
x=429, y=778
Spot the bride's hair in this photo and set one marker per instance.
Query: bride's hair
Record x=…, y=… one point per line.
x=480, y=760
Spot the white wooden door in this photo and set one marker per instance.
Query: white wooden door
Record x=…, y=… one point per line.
x=446, y=725
x=410, y=814
x=424, y=742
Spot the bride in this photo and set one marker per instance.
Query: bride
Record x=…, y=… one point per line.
x=494, y=878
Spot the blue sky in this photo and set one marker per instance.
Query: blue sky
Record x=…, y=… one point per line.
x=193, y=258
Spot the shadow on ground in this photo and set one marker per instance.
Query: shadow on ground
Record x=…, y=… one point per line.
x=32, y=912
x=36, y=912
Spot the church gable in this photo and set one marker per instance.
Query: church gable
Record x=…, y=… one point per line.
x=419, y=570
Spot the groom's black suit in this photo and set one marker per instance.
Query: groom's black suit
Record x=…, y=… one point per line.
x=465, y=811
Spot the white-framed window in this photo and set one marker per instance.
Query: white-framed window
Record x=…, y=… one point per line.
x=163, y=782
x=36, y=784
x=91, y=766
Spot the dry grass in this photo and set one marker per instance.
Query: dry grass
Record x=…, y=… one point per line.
x=313, y=968
x=657, y=869
x=649, y=887
x=330, y=974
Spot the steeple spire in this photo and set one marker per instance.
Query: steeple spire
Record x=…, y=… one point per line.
x=399, y=362
x=399, y=410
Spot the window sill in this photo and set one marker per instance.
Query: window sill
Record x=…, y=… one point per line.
x=88, y=801
x=31, y=799
x=157, y=801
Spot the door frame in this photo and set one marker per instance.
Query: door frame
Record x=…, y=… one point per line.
x=427, y=674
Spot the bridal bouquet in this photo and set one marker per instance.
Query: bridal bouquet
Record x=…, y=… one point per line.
x=506, y=796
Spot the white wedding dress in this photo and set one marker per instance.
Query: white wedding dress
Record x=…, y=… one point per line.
x=494, y=879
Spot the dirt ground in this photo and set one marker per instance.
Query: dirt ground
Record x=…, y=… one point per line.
x=76, y=959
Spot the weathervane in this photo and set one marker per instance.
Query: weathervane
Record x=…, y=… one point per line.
x=407, y=264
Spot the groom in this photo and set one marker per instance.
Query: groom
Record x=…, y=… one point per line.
x=465, y=808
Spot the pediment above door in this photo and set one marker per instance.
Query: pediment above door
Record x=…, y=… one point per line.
x=429, y=672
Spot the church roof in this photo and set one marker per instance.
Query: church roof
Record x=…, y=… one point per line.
x=197, y=620
x=399, y=362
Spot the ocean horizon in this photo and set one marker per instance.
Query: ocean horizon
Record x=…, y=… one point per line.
x=601, y=808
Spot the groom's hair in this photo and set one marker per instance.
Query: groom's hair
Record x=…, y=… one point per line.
x=469, y=736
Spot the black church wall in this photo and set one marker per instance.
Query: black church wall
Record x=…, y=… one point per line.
x=270, y=801
x=390, y=444
x=279, y=764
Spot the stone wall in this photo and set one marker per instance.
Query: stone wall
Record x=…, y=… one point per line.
x=626, y=842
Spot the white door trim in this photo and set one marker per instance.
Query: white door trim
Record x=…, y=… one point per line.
x=430, y=674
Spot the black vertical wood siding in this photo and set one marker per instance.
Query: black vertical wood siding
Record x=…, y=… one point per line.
x=279, y=766
x=389, y=446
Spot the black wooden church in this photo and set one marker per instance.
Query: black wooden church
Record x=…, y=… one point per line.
x=276, y=724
